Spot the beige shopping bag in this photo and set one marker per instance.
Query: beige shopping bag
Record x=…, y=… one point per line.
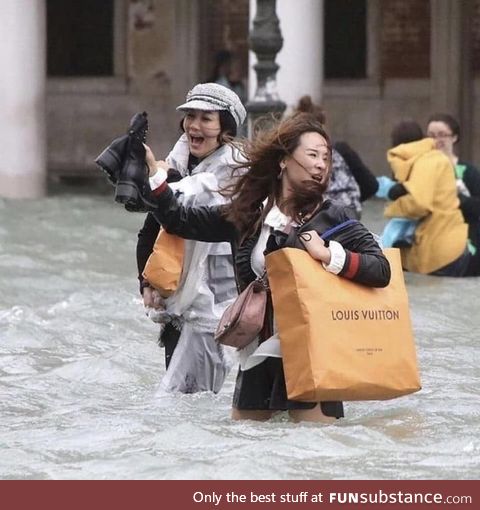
x=341, y=340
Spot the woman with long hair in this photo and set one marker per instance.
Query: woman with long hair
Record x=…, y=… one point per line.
x=277, y=202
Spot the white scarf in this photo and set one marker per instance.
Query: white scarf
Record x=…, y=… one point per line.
x=199, y=188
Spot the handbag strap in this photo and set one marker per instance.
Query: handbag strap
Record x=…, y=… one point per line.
x=263, y=279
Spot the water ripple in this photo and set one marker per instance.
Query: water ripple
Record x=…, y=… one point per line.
x=80, y=368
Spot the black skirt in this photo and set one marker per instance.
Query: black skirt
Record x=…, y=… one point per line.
x=263, y=388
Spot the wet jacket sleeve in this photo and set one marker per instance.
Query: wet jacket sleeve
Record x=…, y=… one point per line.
x=365, y=262
x=207, y=224
x=146, y=240
x=397, y=191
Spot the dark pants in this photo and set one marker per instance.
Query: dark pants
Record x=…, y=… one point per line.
x=459, y=267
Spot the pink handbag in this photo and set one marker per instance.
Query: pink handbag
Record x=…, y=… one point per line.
x=243, y=320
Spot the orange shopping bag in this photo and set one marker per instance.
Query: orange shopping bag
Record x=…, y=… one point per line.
x=341, y=340
x=164, y=266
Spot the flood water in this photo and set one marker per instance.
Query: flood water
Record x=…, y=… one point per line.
x=80, y=367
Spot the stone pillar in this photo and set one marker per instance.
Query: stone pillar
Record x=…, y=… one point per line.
x=301, y=57
x=22, y=99
x=185, y=49
x=450, y=74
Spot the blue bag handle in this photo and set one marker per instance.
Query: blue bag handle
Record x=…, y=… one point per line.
x=329, y=232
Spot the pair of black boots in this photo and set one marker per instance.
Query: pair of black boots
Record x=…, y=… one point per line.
x=124, y=163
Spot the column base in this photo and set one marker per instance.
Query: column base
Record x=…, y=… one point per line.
x=23, y=186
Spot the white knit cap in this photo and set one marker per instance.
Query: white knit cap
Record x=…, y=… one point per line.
x=215, y=97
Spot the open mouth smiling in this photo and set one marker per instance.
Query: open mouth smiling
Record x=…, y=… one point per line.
x=196, y=140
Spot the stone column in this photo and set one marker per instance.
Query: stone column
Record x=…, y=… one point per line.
x=300, y=59
x=185, y=49
x=450, y=74
x=22, y=99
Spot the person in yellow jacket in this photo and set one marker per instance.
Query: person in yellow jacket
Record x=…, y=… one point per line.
x=424, y=190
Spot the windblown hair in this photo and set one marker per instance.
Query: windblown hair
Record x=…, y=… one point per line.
x=262, y=180
x=227, y=126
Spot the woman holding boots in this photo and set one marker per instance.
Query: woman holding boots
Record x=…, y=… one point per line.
x=277, y=202
x=201, y=164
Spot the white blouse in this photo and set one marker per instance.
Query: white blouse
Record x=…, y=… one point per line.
x=255, y=353
x=276, y=220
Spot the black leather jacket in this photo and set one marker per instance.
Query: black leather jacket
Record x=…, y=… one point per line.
x=365, y=262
